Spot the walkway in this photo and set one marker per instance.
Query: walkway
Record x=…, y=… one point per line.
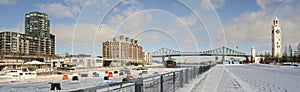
x=246, y=78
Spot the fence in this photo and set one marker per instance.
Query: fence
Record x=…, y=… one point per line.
x=167, y=82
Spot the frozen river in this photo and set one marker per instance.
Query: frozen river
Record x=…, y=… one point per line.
x=221, y=78
x=42, y=84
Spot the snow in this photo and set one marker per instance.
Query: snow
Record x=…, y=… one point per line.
x=246, y=78
x=35, y=62
x=221, y=78
x=42, y=82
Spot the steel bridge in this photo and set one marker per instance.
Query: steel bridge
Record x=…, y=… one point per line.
x=222, y=51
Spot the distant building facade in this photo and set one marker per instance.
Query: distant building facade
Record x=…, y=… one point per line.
x=79, y=61
x=253, y=55
x=14, y=43
x=121, y=50
x=37, y=39
x=86, y=61
x=147, y=57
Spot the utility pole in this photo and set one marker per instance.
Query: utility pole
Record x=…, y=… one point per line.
x=294, y=61
x=298, y=58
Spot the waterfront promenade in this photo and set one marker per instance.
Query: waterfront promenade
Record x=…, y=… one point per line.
x=247, y=78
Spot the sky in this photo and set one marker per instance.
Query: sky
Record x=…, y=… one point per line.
x=80, y=26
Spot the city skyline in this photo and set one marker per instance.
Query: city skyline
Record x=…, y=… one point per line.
x=81, y=24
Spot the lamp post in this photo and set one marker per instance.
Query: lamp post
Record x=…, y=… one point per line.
x=291, y=54
x=294, y=59
x=298, y=58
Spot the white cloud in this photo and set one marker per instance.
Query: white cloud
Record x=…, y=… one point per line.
x=104, y=33
x=75, y=9
x=187, y=39
x=116, y=20
x=104, y=4
x=82, y=33
x=126, y=2
x=248, y=28
x=7, y=2
x=76, y=5
x=217, y=3
x=188, y=20
x=57, y=10
x=82, y=37
x=19, y=28
x=132, y=21
x=151, y=36
x=131, y=10
x=115, y=9
x=211, y=4
x=256, y=26
x=76, y=2
x=148, y=17
x=85, y=32
x=68, y=9
x=267, y=4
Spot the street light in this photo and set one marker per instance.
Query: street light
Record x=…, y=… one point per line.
x=295, y=53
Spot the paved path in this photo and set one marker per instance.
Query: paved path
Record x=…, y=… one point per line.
x=220, y=79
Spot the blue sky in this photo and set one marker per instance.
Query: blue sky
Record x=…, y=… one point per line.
x=187, y=25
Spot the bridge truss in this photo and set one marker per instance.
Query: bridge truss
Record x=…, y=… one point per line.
x=222, y=51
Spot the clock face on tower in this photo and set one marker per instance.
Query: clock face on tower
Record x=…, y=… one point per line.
x=277, y=31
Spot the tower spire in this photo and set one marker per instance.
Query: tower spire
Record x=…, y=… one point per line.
x=276, y=18
x=276, y=22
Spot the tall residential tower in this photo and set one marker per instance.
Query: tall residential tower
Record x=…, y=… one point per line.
x=37, y=39
x=38, y=25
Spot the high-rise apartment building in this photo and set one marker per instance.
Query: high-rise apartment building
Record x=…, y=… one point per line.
x=13, y=43
x=37, y=25
x=37, y=39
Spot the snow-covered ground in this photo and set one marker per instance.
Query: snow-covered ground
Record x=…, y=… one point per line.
x=246, y=78
x=221, y=78
x=42, y=82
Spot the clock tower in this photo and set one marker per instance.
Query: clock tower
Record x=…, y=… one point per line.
x=276, y=38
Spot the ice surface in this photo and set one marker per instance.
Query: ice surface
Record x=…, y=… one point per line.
x=221, y=78
x=42, y=82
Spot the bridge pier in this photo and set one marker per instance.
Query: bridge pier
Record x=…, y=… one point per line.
x=223, y=58
x=163, y=59
x=247, y=60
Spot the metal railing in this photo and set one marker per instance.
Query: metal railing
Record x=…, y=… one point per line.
x=167, y=82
